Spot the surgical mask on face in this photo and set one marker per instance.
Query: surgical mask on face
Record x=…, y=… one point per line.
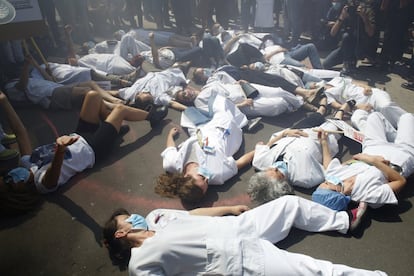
x=138, y=222
x=333, y=179
x=18, y=175
x=220, y=30
x=207, y=72
x=281, y=166
x=204, y=172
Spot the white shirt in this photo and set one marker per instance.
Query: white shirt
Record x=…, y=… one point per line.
x=166, y=57
x=271, y=101
x=38, y=91
x=231, y=250
x=107, y=64
x=155, y=83
x=276, y=58
x=65, y=73
x=370, y=183
x=223, y=134
x=302, y=154
x=83, y=157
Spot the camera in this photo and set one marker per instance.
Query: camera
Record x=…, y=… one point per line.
x=352, y=7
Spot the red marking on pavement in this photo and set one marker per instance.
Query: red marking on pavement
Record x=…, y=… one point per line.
x=51, y=125
x=119, y=198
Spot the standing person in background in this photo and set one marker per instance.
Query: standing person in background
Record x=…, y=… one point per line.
x=48, y=9
x=357, y=19
x=247, y=12
x=183, y=18
x=293, y=10
x=134, y=8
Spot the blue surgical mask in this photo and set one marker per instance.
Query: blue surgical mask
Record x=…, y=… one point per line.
x=204, y=172
x=333, y=179
x=282, y=167
x=19, y=175
x=207, y=72
x=138, y=222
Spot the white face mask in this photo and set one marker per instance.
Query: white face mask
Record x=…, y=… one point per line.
x=207, y=72
x=259, y=66
x=220, y=30
x=282, y=167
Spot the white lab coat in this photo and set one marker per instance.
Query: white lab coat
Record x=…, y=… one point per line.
x=271, y=101
x=302, y=154
x=155, y=83
x=224, y=134
x=187, y=245
x=107, y=64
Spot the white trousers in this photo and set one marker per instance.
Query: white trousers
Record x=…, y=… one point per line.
x=396, y=145
x=272, y=101
x=274, y=221
x=381, y=102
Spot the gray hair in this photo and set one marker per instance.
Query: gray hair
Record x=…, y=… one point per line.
x=262, y=188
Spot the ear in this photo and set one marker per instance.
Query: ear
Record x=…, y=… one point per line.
x=120, y=234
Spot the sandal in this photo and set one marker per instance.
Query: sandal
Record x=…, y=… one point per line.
x=317, y=97
x=345, y=113
x=326, y=111
x=309, y=107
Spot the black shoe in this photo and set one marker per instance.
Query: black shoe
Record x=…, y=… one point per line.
x=124, y=129
x=156, y=114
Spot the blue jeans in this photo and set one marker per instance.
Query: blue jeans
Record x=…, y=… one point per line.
x=346, y=52
x=300, y=52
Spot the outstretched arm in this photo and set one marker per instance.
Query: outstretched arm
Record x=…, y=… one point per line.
x=177, y=106
x=170, y=137
x=154, y=51
x=245, y=160
x=219, y=211
x=53, y=172
x=72, y=60
x=326, y=154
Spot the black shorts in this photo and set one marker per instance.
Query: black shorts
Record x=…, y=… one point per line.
x=101, y=137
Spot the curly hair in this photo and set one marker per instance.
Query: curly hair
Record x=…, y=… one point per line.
x=262, y=189
x=119, y=250
x=177, y=185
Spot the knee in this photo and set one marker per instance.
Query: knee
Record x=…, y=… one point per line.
x=92, y=94
x=119, y=108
